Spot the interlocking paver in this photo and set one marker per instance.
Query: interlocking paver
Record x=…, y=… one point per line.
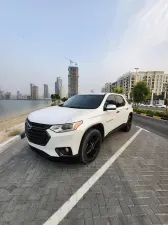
x=30, y=184
x=138, y=220
x=163, y=218
x=163, y=208
x=73, y=222
x=154, y=219
x=125, y=208
x=132, y=191
x=137, y=210
x=88, y=221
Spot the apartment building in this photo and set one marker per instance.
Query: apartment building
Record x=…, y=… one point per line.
x=156, y=80
x=103, y=90
x=107, y=87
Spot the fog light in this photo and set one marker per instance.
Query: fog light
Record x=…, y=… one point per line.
x=66, y=151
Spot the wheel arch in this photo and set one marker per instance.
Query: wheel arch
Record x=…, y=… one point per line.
x=98, y=126
x=131, y=114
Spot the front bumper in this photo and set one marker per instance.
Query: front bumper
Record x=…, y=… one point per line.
x=70, y=139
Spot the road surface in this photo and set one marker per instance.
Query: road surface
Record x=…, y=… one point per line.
x=158, y=127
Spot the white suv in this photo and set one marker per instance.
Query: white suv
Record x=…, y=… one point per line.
x=79, y=125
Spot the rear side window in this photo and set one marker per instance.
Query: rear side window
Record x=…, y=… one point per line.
x=111, y=100
x=119, y=101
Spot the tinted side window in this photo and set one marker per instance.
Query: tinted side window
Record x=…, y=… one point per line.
x=111, y=100
x=119, y=101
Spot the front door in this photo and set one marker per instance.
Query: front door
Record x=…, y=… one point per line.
x=110, y=116
x=121, y=110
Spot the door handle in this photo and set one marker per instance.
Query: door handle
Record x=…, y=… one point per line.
x=117, y=111
x=126, y=108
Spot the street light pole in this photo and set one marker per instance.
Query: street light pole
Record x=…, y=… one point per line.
x=136, y=69
x=166, y=86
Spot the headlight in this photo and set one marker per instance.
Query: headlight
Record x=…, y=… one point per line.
x=66, y=127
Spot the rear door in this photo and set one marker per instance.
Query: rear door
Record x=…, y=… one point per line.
x=121, y=110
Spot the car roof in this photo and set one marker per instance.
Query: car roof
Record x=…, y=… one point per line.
x=100, y=93
x=92, y=94
x=103, y=93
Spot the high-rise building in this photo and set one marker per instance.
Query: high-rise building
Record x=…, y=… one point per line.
x=18, y=95
x=72, y=81
x=35, y=93
x=58, y=85
x=31, y=91
x=45, y=91
x=1, y=95
x=156, y=80
x=8, y=95
x=63, y=93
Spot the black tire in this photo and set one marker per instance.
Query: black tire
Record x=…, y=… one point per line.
x=128, y=125
x=90, y=146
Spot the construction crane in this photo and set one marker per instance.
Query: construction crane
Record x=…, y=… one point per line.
x=71, y=61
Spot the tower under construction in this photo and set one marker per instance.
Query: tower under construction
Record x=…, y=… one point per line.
x=72, y=81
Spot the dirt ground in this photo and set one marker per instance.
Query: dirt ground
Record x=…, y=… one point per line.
x=11, y=124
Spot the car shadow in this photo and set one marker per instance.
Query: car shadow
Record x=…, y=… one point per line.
x=61, y=160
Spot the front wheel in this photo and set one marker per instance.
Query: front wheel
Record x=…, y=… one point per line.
x=90, y=146
x=128, y=125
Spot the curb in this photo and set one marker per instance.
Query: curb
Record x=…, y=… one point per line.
x=147, y=115
x=11, y=140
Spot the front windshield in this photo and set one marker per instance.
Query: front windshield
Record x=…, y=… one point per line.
x=84, y=101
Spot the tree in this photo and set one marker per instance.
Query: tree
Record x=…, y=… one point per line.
x=141, y=92
x=52, y=97
x=55, y=97
x=118, y=90
x=64, y=99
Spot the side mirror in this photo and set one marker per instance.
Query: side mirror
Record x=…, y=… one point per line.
x=110, y=107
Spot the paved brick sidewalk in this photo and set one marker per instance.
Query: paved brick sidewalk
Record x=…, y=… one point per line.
x=32, y=188
x=135, y=188
x=133, y=191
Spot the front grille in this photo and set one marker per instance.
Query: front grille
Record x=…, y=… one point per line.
x=36, y=133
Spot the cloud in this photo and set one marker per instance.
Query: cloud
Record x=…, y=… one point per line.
x=144, y=42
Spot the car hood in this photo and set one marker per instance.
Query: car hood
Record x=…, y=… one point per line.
x=59, y=115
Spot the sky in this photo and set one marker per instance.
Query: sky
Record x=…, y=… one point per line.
x=107, y=38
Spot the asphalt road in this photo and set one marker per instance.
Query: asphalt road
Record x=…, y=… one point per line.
x=152, y=108
x=158, y=127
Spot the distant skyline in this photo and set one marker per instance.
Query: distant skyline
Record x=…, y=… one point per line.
x=106, y=38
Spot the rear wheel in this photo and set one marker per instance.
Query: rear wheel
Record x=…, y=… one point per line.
x=90, y=146
x=128, y=125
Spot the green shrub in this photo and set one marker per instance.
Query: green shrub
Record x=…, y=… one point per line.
x=53, y=104
x=152, y=112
